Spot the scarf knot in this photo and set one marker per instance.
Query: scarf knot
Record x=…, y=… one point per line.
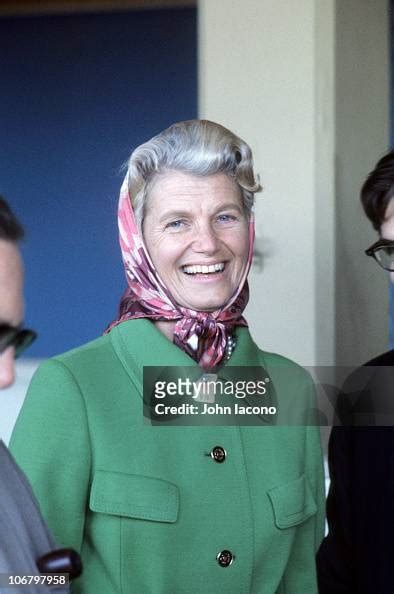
x=202, y=337
x=205, y=325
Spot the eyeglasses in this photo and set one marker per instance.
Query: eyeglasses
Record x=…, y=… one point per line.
x=19, y=338
x=383, y=252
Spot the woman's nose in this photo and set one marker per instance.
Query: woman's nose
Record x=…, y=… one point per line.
x=7, y=368
x=206, y=240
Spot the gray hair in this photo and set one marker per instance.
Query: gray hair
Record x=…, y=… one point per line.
x=198, y=147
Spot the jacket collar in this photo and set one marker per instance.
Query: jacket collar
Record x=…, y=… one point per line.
x=138, y=343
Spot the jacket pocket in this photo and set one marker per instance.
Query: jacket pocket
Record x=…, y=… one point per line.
x=134, y=496
x=292, y=503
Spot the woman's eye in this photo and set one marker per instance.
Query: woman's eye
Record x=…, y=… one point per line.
x=178, y=224
x=224, y=218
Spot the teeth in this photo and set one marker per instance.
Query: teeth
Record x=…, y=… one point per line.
x=198, y=269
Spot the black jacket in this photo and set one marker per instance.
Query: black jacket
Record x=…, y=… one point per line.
x=357, y=556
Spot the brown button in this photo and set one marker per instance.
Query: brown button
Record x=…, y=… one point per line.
x=61, y=561
x=218, y=454
x=225, y=558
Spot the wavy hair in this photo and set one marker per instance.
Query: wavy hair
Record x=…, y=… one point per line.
x=198, y=147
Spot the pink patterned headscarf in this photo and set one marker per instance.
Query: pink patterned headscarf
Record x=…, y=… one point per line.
x=202, y=335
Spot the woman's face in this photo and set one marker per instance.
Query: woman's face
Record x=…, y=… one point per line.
x=197, y=235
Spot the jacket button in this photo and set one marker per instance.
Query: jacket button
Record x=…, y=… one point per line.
x=218, y=454
x=225, y=558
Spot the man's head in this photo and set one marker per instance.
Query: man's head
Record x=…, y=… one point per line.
x=11, y=284
x=377, y=197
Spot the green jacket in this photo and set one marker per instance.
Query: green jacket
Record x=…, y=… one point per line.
x=147, y=507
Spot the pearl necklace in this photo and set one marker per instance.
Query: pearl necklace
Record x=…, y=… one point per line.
x=230, y=346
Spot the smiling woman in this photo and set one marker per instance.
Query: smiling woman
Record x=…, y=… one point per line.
x=186, y=204
x=178, y=509
x=196, y=233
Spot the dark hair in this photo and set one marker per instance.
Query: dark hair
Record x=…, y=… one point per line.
x=378, y=190
x=10, y=227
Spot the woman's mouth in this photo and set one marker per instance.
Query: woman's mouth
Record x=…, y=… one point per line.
x=204, y=269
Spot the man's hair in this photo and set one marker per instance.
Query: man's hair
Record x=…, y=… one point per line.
x=378, y=190
x=10, y=227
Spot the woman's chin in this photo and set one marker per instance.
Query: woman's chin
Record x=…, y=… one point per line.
x=207, y=303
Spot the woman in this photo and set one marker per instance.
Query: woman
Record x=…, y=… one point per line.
x=176, y=509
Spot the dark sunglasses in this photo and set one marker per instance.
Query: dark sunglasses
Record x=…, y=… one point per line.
x=19, y=338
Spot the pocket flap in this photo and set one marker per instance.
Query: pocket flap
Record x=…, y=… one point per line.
x=134, y=496
x=292, y=503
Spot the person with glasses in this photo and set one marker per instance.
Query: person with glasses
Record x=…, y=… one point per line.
x=13, y=339
x=356, y=557
x=26, y=545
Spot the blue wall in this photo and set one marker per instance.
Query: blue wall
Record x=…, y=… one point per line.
x=78, y=94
